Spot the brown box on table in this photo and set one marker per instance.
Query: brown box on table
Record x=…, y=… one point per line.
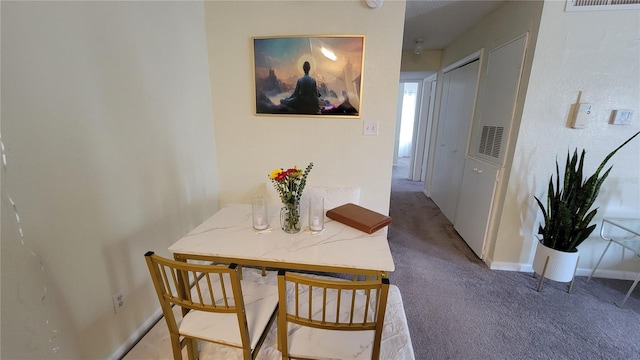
x=359, y=217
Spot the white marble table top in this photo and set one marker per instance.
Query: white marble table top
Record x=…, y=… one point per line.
x=228, y=236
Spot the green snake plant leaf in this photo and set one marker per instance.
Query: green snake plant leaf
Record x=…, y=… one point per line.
x=567, y=215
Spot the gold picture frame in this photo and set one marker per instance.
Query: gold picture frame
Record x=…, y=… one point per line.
x=309, y=75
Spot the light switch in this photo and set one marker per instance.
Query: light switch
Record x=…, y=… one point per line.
x=621, y=117
x=370, y=128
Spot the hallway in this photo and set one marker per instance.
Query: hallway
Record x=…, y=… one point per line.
x=457, y=308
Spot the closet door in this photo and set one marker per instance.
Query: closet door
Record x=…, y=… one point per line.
x=476, y=199
x=458, y=99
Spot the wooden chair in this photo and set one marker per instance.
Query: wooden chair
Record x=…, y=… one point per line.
x=216, y=305
x=321, y=318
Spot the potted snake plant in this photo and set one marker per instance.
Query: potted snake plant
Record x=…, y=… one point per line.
x=567, y=216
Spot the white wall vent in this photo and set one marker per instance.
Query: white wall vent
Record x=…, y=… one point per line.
x=590, y=5
x=491, y=141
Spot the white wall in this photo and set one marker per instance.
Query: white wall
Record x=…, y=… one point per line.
x=429, y=60
x=107, y=127
x=597, y=53
x=250, y=146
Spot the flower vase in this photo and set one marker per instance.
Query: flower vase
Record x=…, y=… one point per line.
x=290, y=218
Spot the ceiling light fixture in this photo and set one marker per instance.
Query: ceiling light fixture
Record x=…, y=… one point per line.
x=418, y=48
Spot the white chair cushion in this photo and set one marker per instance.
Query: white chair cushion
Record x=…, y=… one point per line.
x=260, y=302
x=307, y=342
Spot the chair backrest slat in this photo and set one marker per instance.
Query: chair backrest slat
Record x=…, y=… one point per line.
x=223, y=290
x=324, y=304
x=297, y=293
x=367, y=304
x=165, y=279
x=310, y=300
x=210, y=292
x=353, y=305
x=190, y=296
x=338, y=301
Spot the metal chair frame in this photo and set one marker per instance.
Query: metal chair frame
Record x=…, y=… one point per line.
x=205, y=289
x=344, y=306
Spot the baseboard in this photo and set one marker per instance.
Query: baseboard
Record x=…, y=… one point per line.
x=137, y=336
x=600, y=273
x=608, y=274
x=510, y=266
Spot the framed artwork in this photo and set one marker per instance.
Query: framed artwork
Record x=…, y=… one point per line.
x=308, y=75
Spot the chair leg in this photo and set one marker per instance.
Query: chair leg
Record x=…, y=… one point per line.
x=192, y=349
x=246, y=354
x=176, y=346
x=630, y=290
x=282, y=327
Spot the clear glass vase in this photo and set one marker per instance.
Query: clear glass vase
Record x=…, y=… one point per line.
x=290, y=218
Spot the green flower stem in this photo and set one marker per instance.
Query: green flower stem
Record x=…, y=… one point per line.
x=292, y=218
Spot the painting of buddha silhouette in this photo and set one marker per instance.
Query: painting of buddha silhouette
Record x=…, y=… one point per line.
x=309, y=75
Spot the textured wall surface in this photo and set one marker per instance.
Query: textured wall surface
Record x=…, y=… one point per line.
x=595, y=54
x=106, y=123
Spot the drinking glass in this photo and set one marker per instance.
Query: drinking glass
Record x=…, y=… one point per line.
x=316, y=213
x=259, y=212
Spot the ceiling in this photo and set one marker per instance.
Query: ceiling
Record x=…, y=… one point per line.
x=440, y=22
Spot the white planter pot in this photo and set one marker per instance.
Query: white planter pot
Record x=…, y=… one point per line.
x=561, y=265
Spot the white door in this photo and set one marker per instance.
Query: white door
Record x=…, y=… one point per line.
x=458, y=99
x=476, y=199
x=426, y=162
x=422, y=130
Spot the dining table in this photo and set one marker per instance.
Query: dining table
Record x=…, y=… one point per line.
x=228, y=237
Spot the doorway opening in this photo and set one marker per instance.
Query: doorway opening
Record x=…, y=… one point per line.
x=408, y=114
x=413, y=125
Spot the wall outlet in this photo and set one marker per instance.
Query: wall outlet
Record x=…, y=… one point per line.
x=118, y=301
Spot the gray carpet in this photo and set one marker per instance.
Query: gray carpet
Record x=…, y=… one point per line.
x=459, y=309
